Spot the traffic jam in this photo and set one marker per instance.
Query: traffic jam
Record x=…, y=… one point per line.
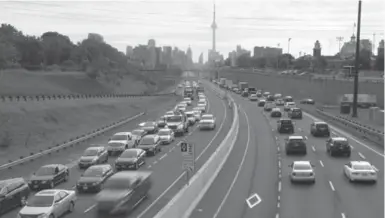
x=119, y=186
x=284, y=109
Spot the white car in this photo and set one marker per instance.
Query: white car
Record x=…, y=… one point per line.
x=253, y=97
x=197, y=114
x=202, y=107
x=289, y=105
x=190, y=117
x=169, y=114
x=207, y=122
x=49, y=203
x=360, y=171
x=181, y=107
x=120, y=141
x=302, y=171
x=166, y=136
x=187, y=100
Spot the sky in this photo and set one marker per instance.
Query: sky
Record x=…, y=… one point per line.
x=185, y=23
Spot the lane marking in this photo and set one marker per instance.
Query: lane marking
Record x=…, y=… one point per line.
x=279, y=186
x=155, y=162
x=331, y=185
x=320, y=162
x=278, y=205
x=343, y=215
x=90, y=208
x=253, y=200
x=313, y=148
x=163, y=156
x=375, y=168
x=306, y=138
x=279, y=164
x=361, y=155
x=277, y=215
x=279, y=197
x=183, y=173
x=239, y=168
x=278, y=148
x=279, y=176
x=149, y=166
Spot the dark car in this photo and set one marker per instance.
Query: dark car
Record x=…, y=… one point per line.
x=245, y=94
x=285, y=125
x=259, y=94
x=276, y=112
x=320, y=129
x=279, y=102
x=270, y=98
x=13, y=193
x=123, y=192
x=161, y=122
x=295, y=144
x=261, y=103
x=130, y=159
x=92, y=180
x=338, y=146
x=295, y=113
x=49, y=176
x=150, y=127
x=93, y=156
x=151, y=144
x=268, y=106
x=288, y=99
x=307, y=101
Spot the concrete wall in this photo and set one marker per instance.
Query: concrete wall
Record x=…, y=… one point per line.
x=323, y=91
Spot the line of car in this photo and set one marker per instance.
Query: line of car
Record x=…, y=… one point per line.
x=120, y=186
x=303, y=171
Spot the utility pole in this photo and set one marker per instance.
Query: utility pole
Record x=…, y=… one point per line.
x=339, y=39
x=357, y=64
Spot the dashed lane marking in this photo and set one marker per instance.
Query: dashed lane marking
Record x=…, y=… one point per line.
x=277, y=215
x=375, y=168
x=163, y=156
x=343, y=215
x=306, y=138
x=155, y=162
x=90, y=208
x=279, y=186
x=313, y=148
x=361, y=155
x=331, y=185
x=322, y=164
x=149, y=166
x=279, y=164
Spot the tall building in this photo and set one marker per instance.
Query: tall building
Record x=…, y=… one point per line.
x=317, y=49
x=380, y=49
x=233, y=58
x=189, y=56
x=200, y=58
x=240, y=51
x=268, y=52
x=151, y=43
x=158, y=59
x=129, y=52
x=348, y=50
x=140, y=53
x=214, y=27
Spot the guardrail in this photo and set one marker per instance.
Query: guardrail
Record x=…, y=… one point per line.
x=18, y=98
x=70, y=143
x=182, y=205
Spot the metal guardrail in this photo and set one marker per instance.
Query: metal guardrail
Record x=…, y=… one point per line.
x=71, y=143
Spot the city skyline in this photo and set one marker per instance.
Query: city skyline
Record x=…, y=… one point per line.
x=133, y=23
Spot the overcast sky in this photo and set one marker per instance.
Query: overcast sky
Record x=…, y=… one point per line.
x=182, y=23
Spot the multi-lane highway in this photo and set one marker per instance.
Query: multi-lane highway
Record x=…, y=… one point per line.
x=258, y=167
x=166, y=166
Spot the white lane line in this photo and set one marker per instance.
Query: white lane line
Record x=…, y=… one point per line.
x=331, y=185
x=278, y=148
x=279, y=186
x=278, y=205
x=279, y=176
x=313, y=148
x=375, y=168
x=90, y=208
x=349, y=136
x=276, y=138
x=299, y=129
x=279, y=164
x=279, y=197
x=361, y=155
x=334, y=133
x=149, y=166
x=320, y=162
x=172, y=149
x=239, y=168
x=277, y=215
x=163, y=156
x=343, y=215
x=306, y=138
x=155, y=162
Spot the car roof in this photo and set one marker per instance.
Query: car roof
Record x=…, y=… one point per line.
x=131, y=175
x=288, y=96
x=207, y=115
x=52, y=165
x=360, y=163
x=339, y=139
x=150, y=136
x=188, y=112
x=49, y=192
x=94, y=148
x=290, y=102
x=133, y=149
x=301, y=162
x=10, y=181
x=100, y=166
x=320, y=122
x=284, y=118
x=122, y=133
x=296, y=108
x=165, y=129
x=138, y=130
x=295, y=137
x=262, y=100
x=276, y=109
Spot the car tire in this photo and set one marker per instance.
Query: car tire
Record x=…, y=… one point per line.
x=71, y=207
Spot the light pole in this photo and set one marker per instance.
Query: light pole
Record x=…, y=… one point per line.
x=357, y=64
x=288, y=45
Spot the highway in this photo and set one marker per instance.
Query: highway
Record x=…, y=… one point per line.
x=258, y=165
x=166, y=166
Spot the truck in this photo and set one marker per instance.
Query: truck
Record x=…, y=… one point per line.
x=252, y=90
x=222, y=82
x=363, y=100
x=229, y=83
x=178, y=123
x=243, y=85
x=188, y=92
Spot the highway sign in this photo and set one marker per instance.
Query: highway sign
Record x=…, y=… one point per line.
x=188, y=152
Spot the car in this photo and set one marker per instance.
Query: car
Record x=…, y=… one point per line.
x=319, y=128
x=307, y=101
x=13, y=193
x=93, y=179
x=150, y=126
x=288, y=106
x=265, y=94
x=259, y=94
x=270, y=98
x=338, y=145
x=166, y=136
x=261, y=103
x=202, y=107
x=49, y=203
x=288, y=99
x=169, y=113
x=151, y=144
x=93, y=156
x=48, y=176
x=178, y=123
x=122, y=192
x=187, y=100
x=268, y=106
x=202, y=101
x=279, y=102
x=295, y=144
x=253, y=97
x=245, y=94
x=285, y=125
x=119, y=142
x=137, y=134
x=362, y=171
x=197, y=114
x=295, y=113
x=130, y=159
x=302, y=171
x=190, y=117
x=276, y=112
x=207, y=122
x=277, y=96
x=181, y=107
x=161, y=122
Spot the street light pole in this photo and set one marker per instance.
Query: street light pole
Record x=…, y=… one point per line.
x=357, y=63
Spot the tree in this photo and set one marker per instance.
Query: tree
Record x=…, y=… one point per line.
x=285, y=61
x=244, y=61
x=379, y=64
x=302, y=63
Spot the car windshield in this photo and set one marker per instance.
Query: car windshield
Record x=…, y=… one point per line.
x=189, y=114
x=341, y=143
x=147, y=141
x=207, y=117
x=137, y=132
x=322, y=126
x=296, y=141
x=164, y=132
x=174, y=119
x=118, y=138
x=40, y=201
x=129, y=154
x=117, y=184
x=286, y=122
x=302, y=167
x=93, y=172
x=90, y=152
x=362, y=167
x=45, y=171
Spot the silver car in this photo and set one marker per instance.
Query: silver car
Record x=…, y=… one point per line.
x=302, y=171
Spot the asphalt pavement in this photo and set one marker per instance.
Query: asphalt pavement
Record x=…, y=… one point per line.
x=263, y=173
x=166, y=166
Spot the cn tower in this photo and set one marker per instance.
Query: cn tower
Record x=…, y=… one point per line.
x=214, y=27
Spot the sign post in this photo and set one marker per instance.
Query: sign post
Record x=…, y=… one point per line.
x=188, y=164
